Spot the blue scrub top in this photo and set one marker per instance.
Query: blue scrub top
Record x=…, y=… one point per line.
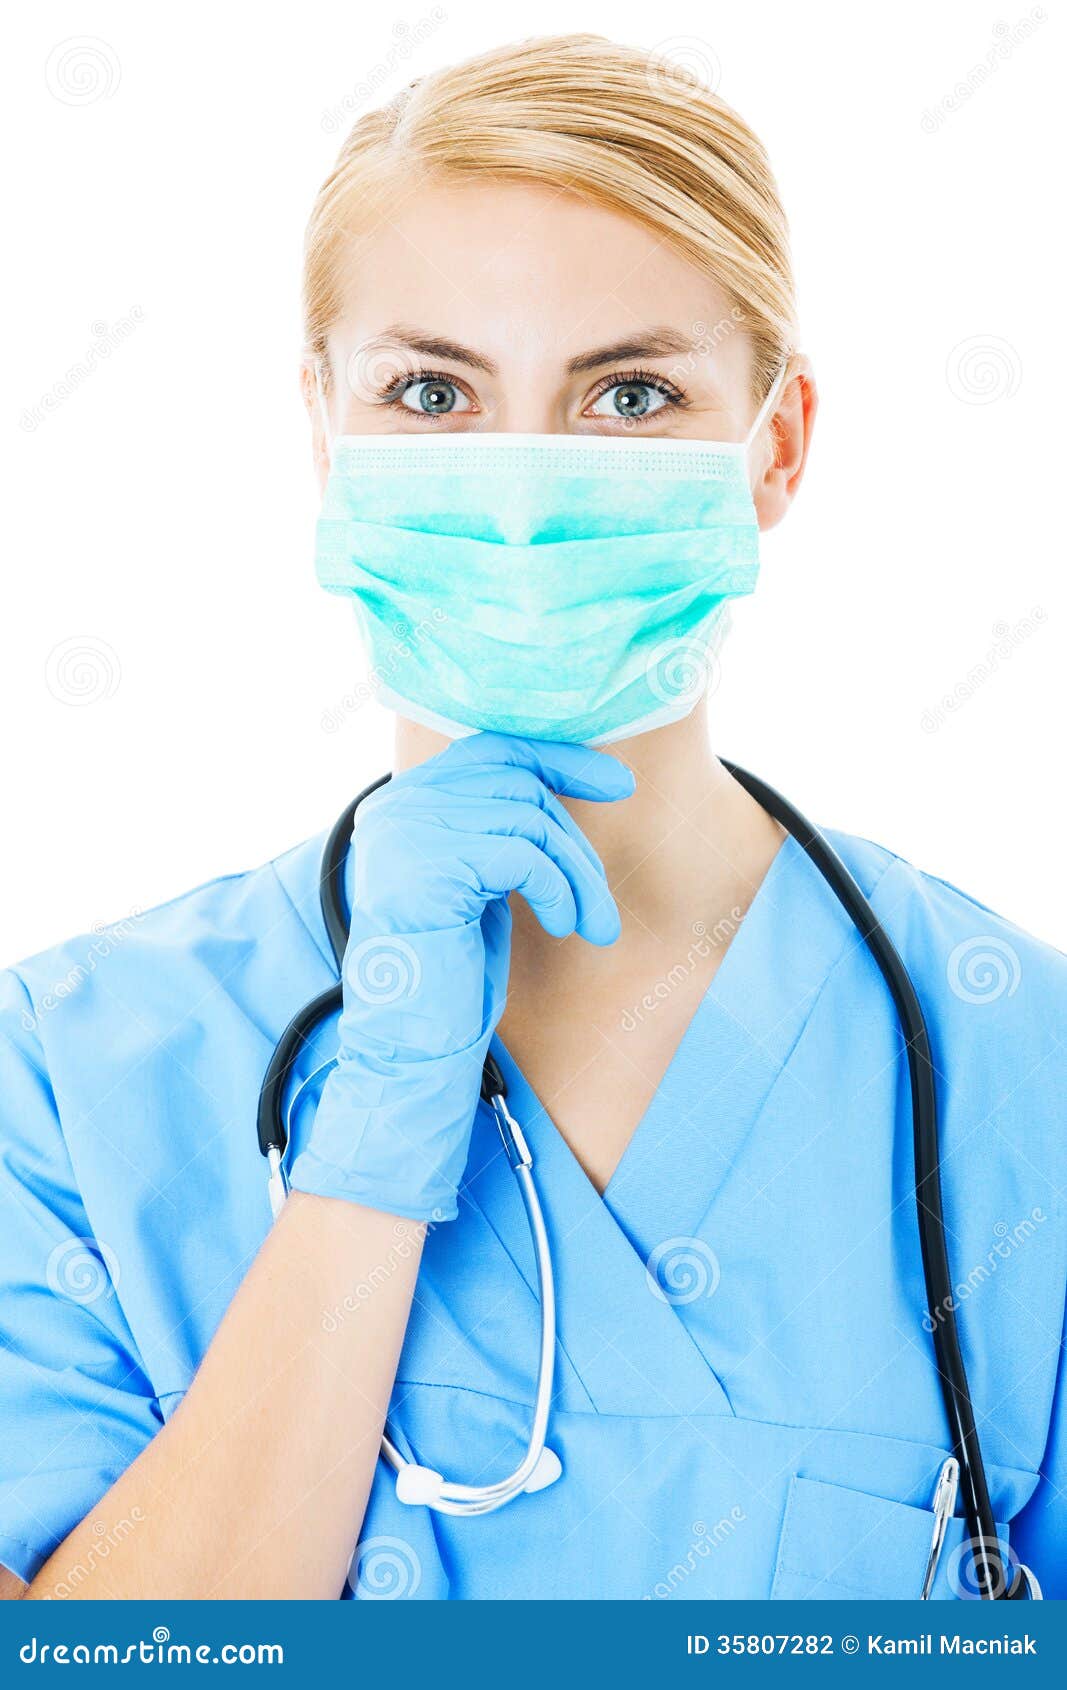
x=746, y=1402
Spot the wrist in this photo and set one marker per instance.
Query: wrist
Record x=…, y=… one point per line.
x=318, y=1179
x=414, y=997
x=394, y=1135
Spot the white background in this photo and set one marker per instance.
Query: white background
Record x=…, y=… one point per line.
x=168, y=663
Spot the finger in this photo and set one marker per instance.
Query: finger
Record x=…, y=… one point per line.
x=419, y=819
x=514, y=864
x=519, y=785
x=574, y=771
x=596, y=916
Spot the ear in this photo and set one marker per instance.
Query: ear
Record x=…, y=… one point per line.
x=789, y=432
x=320, y=446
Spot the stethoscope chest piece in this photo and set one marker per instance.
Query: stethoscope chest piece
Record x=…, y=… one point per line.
x=422, y=1487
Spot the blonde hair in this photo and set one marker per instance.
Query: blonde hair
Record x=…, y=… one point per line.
x=624, y=129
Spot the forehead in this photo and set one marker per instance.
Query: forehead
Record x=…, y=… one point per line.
x=508, y=267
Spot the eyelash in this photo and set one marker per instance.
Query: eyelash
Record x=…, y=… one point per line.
x=393, y=392
x=624, y=378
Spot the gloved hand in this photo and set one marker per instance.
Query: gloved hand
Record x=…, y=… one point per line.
x=437, y=851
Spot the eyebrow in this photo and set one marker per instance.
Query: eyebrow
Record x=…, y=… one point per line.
x=657, y=343
x=437, y=346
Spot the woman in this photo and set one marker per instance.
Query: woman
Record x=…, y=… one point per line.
x=551, y=241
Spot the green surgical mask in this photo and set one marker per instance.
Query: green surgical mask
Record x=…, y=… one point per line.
x=567, y=587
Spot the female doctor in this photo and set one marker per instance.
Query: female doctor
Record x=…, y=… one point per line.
x=554, y=389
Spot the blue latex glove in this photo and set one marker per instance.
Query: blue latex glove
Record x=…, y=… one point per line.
x=437, y=851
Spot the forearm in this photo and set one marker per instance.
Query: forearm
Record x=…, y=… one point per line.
x=258, y=1485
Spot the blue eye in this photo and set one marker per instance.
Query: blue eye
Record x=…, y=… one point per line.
x=630, y=399
x=434, y=397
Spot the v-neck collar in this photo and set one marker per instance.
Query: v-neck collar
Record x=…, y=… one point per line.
x=767, y=903
x=740, y=1028
x=627, y=1341
x=621, y=1341
x=686, y=1146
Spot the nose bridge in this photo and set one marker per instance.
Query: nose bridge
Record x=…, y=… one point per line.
x=526, y=407
x=528, y=392
x=523, y=418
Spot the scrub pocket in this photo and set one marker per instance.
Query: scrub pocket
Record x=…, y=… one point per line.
x=838, y=1544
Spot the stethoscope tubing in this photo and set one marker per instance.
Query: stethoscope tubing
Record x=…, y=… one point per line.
x=270, y=1115
x=992, y=1578
x=990, y=1574
x=469, y=1500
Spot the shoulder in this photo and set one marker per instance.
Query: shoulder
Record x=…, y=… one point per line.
x=954, y=941
x=130, y=1062
x=149, y=962
x=994, y=997
x=128, y=1031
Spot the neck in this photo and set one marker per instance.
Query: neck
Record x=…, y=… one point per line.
x=689, y=844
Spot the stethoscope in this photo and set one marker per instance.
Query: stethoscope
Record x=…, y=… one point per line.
x=963, y=1473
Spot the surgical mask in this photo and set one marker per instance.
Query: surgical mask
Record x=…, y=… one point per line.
x=567, y=587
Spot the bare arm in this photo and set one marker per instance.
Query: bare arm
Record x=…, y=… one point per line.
x=258, y=1486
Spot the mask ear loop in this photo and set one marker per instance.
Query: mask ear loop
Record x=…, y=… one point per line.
x=324, y=409
x=768, y=405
